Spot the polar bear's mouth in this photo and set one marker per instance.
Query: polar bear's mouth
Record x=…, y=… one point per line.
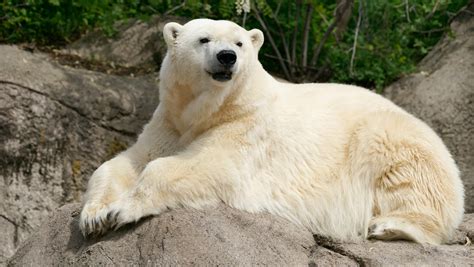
x=221, y=76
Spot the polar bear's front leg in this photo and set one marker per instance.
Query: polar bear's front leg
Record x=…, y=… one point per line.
x=116, y=177
x=107, y=183
x=185, y=180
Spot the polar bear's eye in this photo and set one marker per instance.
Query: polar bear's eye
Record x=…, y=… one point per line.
x=239, y=44
x=204, y=40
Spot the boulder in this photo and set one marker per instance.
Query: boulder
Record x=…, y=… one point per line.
x=137, y=44
x=57, y=125
x=442, y=94
x=223, y=236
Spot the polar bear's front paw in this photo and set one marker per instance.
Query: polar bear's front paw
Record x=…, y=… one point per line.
x=93, y=220
x=96, y=219
x=122, y=212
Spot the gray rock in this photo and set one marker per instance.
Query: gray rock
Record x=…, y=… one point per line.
x=442, y=94
x=222, y=236
x=57, y=125
x=137, y=44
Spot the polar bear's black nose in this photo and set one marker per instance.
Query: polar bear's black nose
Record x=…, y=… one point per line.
x=227, y=58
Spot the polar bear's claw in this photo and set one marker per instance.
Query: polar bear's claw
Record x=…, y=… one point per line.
x=112, y=219
x=94, y=221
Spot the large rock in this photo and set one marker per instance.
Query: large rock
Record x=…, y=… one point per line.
x=137, y=44
x=223, y=236
x=442, y=94
x=57, y=124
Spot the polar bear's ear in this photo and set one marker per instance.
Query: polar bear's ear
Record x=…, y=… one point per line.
x=171, y=32
x=256, y=36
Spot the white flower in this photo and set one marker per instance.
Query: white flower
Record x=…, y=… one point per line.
x=246, y=6
x=242, y=5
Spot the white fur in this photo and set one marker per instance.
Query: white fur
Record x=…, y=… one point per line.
x=337, y=159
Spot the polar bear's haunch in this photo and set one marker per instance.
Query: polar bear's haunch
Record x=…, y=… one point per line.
x=337, y=159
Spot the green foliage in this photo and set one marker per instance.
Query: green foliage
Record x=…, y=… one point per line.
x=395, y=35
x=392, y=35
x=55, y=21
x=59, y=21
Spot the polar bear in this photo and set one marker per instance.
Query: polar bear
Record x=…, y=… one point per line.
x=338, y=159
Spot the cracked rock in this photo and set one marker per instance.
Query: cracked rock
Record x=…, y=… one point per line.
x=223, y=236
x=57, y=125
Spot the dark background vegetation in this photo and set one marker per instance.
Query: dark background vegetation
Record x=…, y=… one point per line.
x=364, y=42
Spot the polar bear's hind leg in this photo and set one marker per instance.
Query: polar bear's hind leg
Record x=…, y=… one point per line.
x=417, y=191
x=406, y=226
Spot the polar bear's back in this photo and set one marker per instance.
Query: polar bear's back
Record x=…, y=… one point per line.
x=337, y=98
x=328, y=110
x=331, y=112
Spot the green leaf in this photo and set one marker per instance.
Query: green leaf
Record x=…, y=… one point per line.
x=54, y=2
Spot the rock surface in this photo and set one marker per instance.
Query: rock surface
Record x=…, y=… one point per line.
x=57, y=124
x=223, y=236
x=137, y=44
x=442, y=94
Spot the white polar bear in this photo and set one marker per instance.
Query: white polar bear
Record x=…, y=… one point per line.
x=337, y=159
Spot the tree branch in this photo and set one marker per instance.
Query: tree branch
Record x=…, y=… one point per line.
x=282, y=37
x=407, y=10
x=433, y=11
x=341, y=13
x=295, y=31
x=272, y=43
x=356, y=36
x=309, y=12
x=318, y=49
x=175, y=8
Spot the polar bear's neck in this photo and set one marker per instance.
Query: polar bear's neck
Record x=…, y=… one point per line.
x=193, y=113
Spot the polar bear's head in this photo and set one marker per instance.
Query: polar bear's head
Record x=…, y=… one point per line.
x=210, y=53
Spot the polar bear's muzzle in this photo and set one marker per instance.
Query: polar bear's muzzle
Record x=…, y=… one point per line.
x=222, y=71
